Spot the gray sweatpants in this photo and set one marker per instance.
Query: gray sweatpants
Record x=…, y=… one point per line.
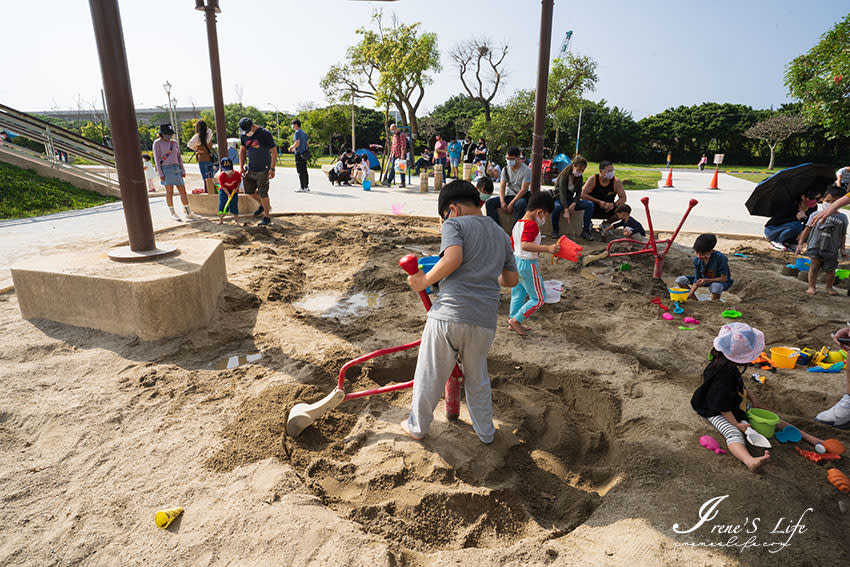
x=444, y=343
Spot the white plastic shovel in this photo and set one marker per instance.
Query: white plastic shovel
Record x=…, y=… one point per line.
x=757, y=439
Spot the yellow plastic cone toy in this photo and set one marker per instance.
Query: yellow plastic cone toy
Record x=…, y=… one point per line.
x=164, y=518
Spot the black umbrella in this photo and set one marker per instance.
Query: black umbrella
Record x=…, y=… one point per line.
x=774, y=194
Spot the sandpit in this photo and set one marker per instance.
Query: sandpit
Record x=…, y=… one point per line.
x=595, y=458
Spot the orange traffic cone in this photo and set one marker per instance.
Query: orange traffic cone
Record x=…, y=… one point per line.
x=669, y=182
x=714, y=180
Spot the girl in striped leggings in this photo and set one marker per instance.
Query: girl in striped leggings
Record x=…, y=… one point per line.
x=722, y=398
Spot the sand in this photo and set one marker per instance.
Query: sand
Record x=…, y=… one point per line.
x=596, y=454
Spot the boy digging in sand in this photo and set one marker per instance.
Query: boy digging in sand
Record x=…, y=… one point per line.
x=475, y=259
x=824, y=242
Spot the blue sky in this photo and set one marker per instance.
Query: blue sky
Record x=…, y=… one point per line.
x=652, y=54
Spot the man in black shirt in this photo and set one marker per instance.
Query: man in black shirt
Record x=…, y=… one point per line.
x=260, y=152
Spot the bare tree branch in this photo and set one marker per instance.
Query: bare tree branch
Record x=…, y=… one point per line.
x=489, y=73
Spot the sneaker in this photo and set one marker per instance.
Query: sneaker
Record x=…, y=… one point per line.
x=402, y=185
x=175, y=217
x=265, y=221
x=586, y=235
x=300, y=190
x=259, y=211
x=838, y=415
x=777, y=245
x=192, y=216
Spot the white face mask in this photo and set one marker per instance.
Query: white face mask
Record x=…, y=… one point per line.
x=540, y=221
x=512, y=162
x=578, y=173
x=609, y=174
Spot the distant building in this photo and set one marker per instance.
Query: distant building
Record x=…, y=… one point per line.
x=142, y=114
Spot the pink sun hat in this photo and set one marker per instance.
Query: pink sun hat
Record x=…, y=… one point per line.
x=739, y=342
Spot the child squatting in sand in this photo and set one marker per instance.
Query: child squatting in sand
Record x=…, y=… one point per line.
x=711, y=269
x=475, y=260
x=824, y=242
x=525, y=239
x=722, y=398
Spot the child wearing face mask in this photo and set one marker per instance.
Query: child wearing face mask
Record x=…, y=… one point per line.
x=824, y=242
x=525, y=239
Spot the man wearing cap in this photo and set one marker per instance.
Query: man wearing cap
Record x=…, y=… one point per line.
x=398, y=151
x=302, y=155
x=260, y=152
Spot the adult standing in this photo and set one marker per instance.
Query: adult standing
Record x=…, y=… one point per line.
x=441, y=150
x=702, y=161
x=260, y=151
x=468, y=150
x=669, y=159
x=398, y=151
x=200, y=144
x=455, y=150
x=839, y=414
x=567, y=197
x=302, y=155
x=514, y=185
x=783, y=228
x=605, y=191
x=480, y=153
x=169, y=164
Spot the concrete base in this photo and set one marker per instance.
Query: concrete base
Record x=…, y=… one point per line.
x=207, y=204
x=571, y=229
x=153, y=300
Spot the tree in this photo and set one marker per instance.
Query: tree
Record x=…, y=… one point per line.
x=92, y=131
x=232, y=114
x=481, y=59
x=390, y=65
x=328, y=123
x=820, y=79
x=774, y=130
x=453, y=117
x=569, y=79
x=510, y=125
x=609, y=133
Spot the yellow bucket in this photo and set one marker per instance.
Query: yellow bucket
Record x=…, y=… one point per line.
x=784, y=357
x=835, y=356
x=678, y=294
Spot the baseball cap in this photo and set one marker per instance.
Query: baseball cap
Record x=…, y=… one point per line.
x=245, y=124
x=739, y=342
x=226, y=164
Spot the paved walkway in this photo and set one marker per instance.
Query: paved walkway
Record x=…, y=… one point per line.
x=104, y=226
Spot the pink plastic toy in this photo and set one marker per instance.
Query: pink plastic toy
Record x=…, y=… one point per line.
x=711, y=444
x=690, y=321
x=667, y=316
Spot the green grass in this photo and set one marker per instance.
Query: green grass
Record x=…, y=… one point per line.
x=23, y=193
x=754, y=177
x=633, y=179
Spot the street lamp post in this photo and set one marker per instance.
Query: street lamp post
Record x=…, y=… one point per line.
x=210, y=9
x=276, y=120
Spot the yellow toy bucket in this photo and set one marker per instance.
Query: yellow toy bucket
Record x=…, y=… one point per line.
x=784, y=357
x=835, y=356
x=678, y=294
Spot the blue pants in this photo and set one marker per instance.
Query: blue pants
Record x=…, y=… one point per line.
x=493, y=204
x=531, y=285
x=581, y=205
x=716, y=287
x=787, y=232
x=234, y=202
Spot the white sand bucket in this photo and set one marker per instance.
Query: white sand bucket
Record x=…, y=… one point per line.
x=552, y=290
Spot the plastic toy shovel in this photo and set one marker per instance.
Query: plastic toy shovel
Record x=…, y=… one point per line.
x=757, y=439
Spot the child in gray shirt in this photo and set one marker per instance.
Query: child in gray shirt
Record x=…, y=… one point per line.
x=475, y=259
x=824, y=242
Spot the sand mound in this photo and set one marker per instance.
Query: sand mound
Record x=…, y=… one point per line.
x=595, y=457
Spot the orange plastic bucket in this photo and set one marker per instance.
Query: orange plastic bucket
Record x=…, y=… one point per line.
x=784, y=357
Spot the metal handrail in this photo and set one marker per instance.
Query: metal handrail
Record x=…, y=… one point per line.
x=38, y=123
x=36, y=157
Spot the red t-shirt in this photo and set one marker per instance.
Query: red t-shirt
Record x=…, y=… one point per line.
x=229, y=181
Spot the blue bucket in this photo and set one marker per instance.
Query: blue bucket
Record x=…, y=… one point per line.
x=426, y=263
x=803, y=264
x=367, y=185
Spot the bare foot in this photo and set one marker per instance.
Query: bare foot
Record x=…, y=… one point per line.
x=525, y=327
x=220, y=220
x=516, y=327
x=757, y=464
x=831, y=291
x=406, y=429
x=810, y=291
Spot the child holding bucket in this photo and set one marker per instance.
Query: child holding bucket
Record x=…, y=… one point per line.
x=711, y=269
x=526, y=238
x=229, y=181
x=722, y=398
x=475, y=259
